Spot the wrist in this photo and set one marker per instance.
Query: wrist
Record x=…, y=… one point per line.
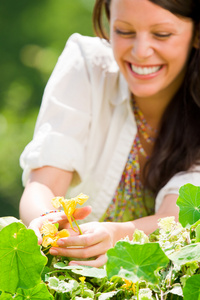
x=49, y=212
x=121, y=230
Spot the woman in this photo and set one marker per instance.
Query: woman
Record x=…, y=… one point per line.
x=119, y=121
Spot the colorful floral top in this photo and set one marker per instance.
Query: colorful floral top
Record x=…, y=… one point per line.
x=132, y=200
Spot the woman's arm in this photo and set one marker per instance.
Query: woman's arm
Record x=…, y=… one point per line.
x=168, y=208
x=44, y=184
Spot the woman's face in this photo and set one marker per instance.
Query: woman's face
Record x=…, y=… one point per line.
x=151, y=46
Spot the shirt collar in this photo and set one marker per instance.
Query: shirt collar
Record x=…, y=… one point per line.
x=122, y=93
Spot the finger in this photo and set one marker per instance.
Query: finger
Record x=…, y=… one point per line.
x=79, y=214
x=82, y=252
x=98, y=262
x=82, y=213
x=87, y=239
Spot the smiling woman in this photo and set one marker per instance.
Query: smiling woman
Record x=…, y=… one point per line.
x=118, y=122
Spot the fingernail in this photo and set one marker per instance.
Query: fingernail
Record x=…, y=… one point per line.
x=53, y=251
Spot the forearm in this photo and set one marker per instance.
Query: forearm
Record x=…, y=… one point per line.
x=150, y=223
x=147, y=224
x=124, y=229
x=43, y=185
x=35, y=201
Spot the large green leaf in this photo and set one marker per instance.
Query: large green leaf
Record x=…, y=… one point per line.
x=189, y=204
x=186, y=254
x=5, y=221
x=135, y=262
x=21, y=261
x=39, y=292
x=192, y=288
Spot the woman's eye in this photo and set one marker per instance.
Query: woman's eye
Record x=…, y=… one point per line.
x=162, y=35
x=124, y=33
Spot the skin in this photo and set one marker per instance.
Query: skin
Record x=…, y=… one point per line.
x=143, y=23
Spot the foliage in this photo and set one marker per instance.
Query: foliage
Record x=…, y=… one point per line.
x=33, y=34
x=189, y=204
x=138, y=261
x=163, y=265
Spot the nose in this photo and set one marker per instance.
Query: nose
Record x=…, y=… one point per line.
x=142, y=47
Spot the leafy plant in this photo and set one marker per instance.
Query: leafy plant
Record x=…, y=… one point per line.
x=163, y=265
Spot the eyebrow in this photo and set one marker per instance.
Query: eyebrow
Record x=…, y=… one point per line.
x=163, y=23
x=154, y=25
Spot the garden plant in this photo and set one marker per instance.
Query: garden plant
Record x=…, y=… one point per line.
x=164, y=265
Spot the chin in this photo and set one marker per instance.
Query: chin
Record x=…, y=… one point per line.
x=143, y=93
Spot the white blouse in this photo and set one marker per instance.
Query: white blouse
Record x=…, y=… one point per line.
x=86, y=125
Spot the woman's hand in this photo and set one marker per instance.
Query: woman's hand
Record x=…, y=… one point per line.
x=96, y=239
x=58, y=217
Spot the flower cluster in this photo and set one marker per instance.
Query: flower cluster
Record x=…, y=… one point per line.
x=51, y=234
x=50, y=231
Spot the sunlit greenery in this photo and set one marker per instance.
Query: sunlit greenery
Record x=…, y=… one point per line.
x=33, y=34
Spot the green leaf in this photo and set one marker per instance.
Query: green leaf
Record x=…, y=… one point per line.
x=145, y=294
x=83, y=270
x=135, y=262
x=39, y=292
x=176, y=290
x=186, y=254
x=88, y=293
x=4, y=221
x=198, y=234
x=21, y=261
x=192, y=288
x=61, y=286
x=140, y=237
x=189, y=204
x=106, y=296
x=5, y=296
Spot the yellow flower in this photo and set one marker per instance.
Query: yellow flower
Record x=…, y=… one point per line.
x=129, y=285
x=51, y=234
x=82, y=279
x=69, y=205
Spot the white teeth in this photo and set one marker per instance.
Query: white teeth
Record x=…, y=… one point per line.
x=145, y=70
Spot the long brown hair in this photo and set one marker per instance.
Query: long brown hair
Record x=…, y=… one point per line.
x=177, y=147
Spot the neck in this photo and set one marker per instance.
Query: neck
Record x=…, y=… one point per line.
x=152, y=110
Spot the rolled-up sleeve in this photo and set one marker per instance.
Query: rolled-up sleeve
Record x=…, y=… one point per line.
x=61, y=132
x=175, y=183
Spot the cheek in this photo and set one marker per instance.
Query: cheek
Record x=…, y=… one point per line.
x=175, y=54
x=179, y=58
x=120, y=48
x=180, y=49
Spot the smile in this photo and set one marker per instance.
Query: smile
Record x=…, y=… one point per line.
x=145, y=70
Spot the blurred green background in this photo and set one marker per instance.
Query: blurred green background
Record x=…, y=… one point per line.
x=33, y=34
